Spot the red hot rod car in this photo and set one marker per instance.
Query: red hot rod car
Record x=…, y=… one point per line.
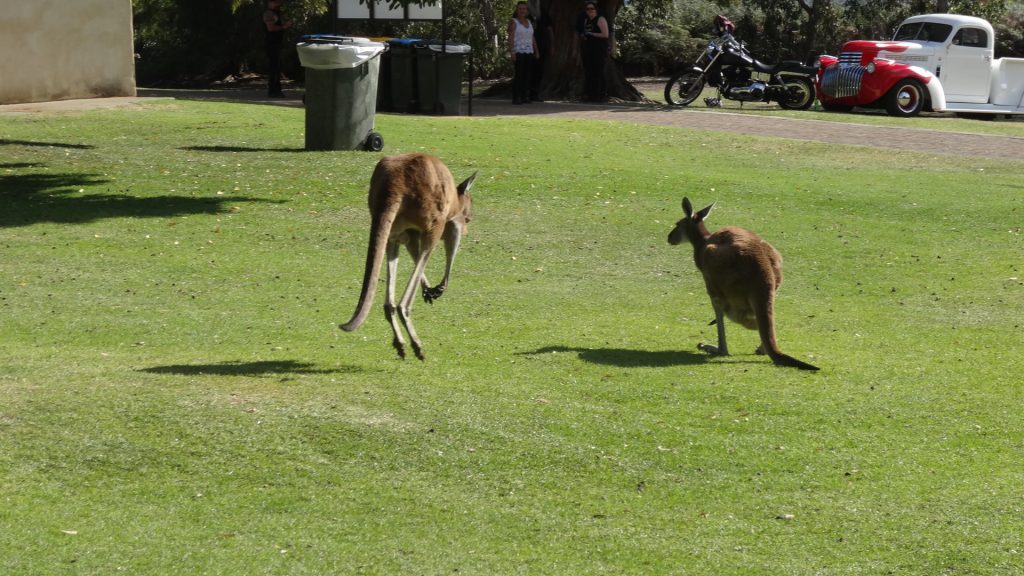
x=939, y=62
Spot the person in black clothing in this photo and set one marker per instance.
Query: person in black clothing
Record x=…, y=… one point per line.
x=275, y=26
x=594, y=51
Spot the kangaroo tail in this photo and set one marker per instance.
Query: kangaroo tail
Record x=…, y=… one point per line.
x=380, y=229
x=781, y=359
x=765, y=312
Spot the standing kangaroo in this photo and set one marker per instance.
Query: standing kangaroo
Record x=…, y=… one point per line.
x=741, y=272
x=413, y=201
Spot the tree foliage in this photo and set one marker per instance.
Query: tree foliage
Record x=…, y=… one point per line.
x=208, y=40
x=199, y=41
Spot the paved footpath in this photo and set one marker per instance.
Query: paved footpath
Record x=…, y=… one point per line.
x=912, y=139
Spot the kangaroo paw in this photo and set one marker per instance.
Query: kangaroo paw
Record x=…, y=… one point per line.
x=713, y=350
x=431, y=294
x=399, y=347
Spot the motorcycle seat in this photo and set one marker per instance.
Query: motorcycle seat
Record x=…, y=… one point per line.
x=794, y=66
x=766, y=68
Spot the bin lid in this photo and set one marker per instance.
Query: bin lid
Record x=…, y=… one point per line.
x=405, y=41
x=451, y=48
x=326, y=52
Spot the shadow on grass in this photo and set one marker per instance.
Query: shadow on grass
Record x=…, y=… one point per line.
x=235, y=368
x=6, y=142
x=628, y=358
x=33, y=197
x=239, y=149
x=242, y=95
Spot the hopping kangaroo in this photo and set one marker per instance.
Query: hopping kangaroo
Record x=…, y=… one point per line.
x=741, y=272
x=413, y=201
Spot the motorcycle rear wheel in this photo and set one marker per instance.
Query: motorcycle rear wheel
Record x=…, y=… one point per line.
x=682, y=89
x=798, y=93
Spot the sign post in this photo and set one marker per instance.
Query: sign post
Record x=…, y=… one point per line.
x=412, y=11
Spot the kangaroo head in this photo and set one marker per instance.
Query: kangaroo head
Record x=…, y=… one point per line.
x=465, y=211
x=691, y=228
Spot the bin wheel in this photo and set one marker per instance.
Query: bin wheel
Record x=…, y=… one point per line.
x=374, y=142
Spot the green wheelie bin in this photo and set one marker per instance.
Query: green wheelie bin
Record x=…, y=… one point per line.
x=341, y=92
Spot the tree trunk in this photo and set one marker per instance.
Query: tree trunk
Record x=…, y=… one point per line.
x=813, y=10
x=562, y=77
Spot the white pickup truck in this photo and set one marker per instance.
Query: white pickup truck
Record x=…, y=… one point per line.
x=938, y=62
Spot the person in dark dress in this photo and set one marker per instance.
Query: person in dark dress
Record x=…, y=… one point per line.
x=275, y=26
x=594, y=51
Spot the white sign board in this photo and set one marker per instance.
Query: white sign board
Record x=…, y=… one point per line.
x=426, y=12
x=379, y=10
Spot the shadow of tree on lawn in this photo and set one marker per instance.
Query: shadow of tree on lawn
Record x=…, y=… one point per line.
x=239, y=149
x=624, y=358
x=259, y=368
x=6, y=142
x=33, y=197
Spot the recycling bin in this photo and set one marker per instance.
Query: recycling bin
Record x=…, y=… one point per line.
x=341, y=92
x=401, y=76
x=439, y=77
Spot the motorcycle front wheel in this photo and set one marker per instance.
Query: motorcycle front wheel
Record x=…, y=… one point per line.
x=797, y=93
x=684, y=88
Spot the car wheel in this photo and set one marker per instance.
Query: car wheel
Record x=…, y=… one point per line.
x=906, y=98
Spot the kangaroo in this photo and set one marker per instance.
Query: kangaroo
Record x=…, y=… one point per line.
x=741, y=272
x=413, y=202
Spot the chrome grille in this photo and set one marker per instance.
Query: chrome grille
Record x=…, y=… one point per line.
x=842, y=80
x=850, y=58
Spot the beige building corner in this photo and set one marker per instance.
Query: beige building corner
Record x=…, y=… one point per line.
x=60, y=50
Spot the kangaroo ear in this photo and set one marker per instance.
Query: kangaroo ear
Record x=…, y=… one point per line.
x=704, y=212
x=467, y=183
x=687, y=207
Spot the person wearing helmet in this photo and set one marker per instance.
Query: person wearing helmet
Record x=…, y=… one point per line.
x=723, y=26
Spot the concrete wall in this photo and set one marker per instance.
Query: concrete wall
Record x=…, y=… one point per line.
x=65, y=49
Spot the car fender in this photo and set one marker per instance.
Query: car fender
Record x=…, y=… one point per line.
x=936, y=93
x=882, y=74
x=867, y=84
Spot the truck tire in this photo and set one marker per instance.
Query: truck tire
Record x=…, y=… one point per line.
x=906, y=98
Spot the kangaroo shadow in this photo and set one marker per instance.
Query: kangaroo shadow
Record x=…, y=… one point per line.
x=624, y=358
x=260, y=368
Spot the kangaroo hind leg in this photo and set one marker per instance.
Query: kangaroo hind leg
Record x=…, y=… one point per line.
x=405, y=304
x=722, y=349
x=389, y=303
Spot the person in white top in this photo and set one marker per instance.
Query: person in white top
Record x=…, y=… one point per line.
x=522, y=46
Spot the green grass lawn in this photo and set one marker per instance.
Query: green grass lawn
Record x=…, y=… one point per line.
x=176, y=397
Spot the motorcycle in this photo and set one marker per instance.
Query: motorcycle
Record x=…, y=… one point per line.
x=727, y=65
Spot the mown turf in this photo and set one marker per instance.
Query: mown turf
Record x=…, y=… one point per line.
x=177, y=397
